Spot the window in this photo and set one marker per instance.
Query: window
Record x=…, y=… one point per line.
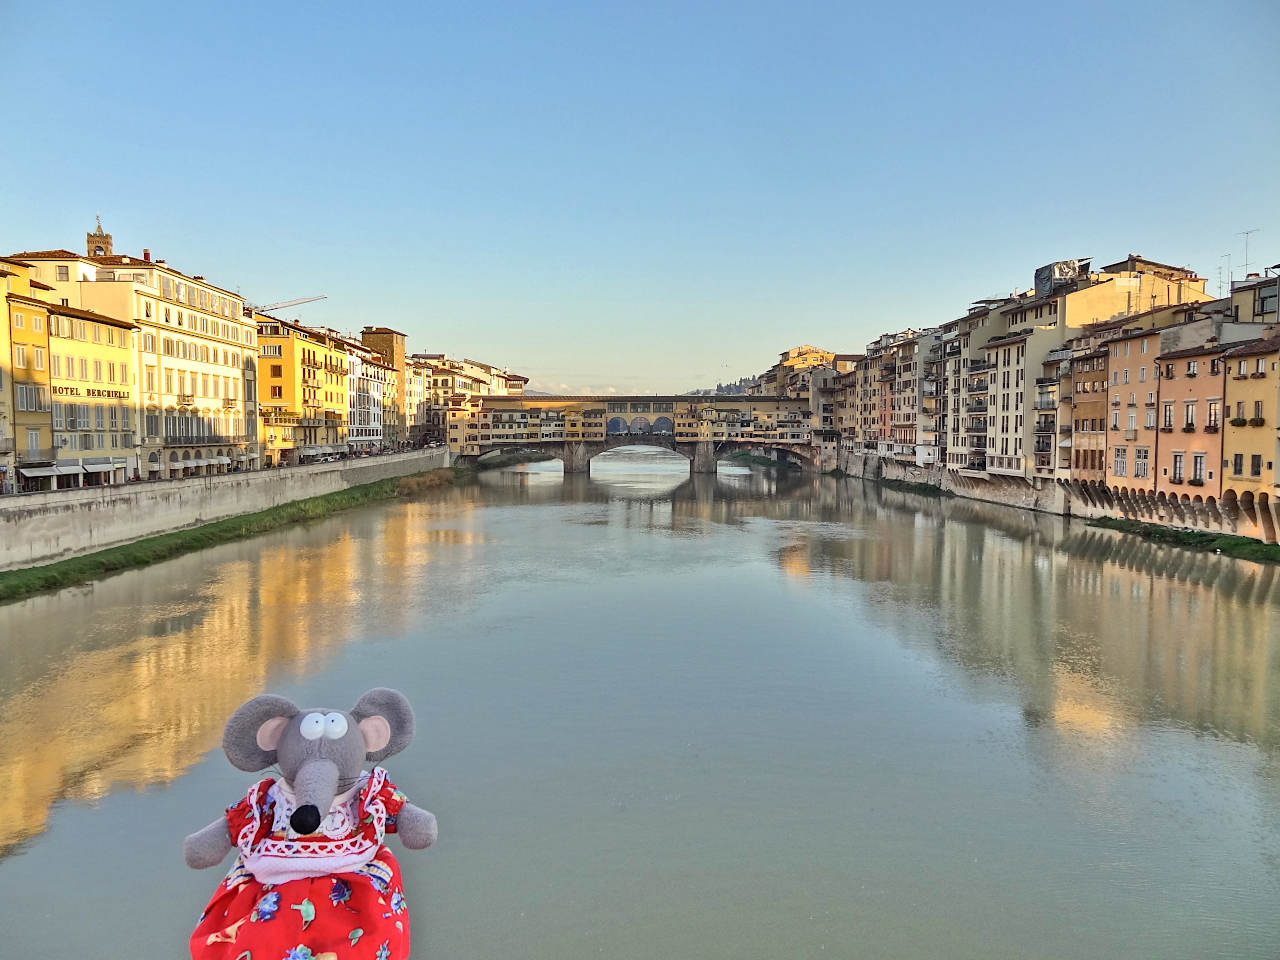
x=1124, y=375
x=19, y=355
x=1121, y=466
x=150, y=379
x=1197, y=466
x=1215, y=413
x=55, y=364
x=1142, y=371
x=1189, y=414
x=277, y=393
x=37, y=323
x=1141, y=456
x=1151, y=420
x=97, y=370
x=1168, y=415
x=1257, y=407
x=1133, y=421
x=1237, y=465
x=1193, y=367
x=84, y=369
x=1255, y=465
x=277, y=370
x=1143, y=348
x=37, y=356
x=1178, y=459
x=63, y=273
x=19, y=322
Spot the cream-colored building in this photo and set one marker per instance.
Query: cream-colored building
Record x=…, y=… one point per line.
x=196, y=354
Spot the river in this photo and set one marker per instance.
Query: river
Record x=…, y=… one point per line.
x=733, y=716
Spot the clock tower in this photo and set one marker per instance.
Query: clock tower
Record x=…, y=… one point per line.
x=98, y=244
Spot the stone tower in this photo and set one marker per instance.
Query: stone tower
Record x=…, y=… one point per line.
x=98, y=244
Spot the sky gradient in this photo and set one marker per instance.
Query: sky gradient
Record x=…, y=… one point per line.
x=651, y=196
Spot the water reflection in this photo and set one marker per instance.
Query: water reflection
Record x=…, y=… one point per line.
x=127, y=682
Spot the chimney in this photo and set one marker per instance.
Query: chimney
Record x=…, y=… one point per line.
x=146, y=254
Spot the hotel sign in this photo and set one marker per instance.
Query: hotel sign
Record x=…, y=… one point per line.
x=91, y=392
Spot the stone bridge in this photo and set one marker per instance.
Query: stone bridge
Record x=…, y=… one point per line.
x=702, y=429
x=703, y=455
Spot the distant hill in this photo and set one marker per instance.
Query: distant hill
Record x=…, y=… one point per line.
x=735, y=389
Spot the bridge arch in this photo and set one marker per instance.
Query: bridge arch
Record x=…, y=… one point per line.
x=640, y=425
x=616, y=426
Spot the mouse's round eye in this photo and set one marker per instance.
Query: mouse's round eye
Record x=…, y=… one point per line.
x=312, y=725
x=335, y=726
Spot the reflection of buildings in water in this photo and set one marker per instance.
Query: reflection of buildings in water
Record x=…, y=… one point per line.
x=142, y=711
x=1097, y=631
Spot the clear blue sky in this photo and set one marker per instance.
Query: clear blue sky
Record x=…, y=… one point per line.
x=644, y=196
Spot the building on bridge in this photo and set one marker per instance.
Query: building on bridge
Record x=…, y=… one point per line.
x=701, y=428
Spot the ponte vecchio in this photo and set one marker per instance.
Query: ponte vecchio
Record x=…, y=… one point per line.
x=703, y=429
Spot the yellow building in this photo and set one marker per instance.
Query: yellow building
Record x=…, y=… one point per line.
x=1251, y=398
x=197, y=376
x=92, y=378
x=26, y=448
x=302, y=392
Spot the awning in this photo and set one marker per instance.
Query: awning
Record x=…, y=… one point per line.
x=98, y=468
x=69, y=469
x=193, y=463
x=38, y=471
x=242, y=456
x=310, y=451
x=223, y=460
x=153, y=468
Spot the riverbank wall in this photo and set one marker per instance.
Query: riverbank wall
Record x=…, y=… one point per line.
x=1256, y=519
x=41, y=528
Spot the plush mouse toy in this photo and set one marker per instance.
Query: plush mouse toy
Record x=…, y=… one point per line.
x=313, y=880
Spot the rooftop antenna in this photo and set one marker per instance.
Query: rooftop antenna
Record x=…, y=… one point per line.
x=1245, y=234
x=1227, y=257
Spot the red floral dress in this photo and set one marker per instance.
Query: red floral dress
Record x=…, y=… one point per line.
x=332, y=895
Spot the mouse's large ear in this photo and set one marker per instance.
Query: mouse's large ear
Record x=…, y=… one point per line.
x=386, y=721
x=253, y=732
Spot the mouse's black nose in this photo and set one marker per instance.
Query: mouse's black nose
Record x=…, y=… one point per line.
x=305, y=819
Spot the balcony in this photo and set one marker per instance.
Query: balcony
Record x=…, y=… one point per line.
x=1131, y=434
x=1065, y=428
x=982, y=366
x=1042, y=447
x=1045, y=426
x=978, y=406
x=36, y=454
x=228, y=403
x=1210, y=428
x=186, y=399
x=6, y=444
x=1045, y=403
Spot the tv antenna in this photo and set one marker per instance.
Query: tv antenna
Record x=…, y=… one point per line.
x=1245, y=234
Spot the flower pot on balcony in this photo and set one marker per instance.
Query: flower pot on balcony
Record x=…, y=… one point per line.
x=1257, y=422
x=1195, y=482
x=1238, y=421
x=1189, y=428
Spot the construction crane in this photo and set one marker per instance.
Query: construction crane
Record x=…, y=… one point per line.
x=287, y=303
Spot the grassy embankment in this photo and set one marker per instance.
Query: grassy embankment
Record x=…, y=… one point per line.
x=1243, y=548
x=15, y=584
